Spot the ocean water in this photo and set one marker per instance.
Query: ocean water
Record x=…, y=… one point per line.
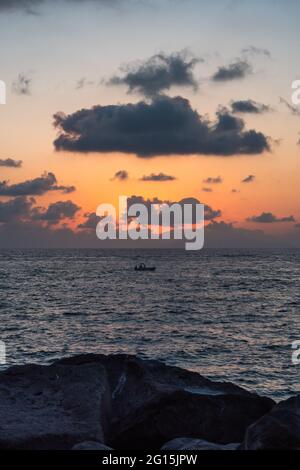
x=230, y=315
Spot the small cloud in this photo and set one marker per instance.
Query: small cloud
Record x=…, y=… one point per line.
x=213, y=180
x=269, y=218
x=35, y=187
x=22, y=85
x=207, y=190
x=121, y=175
x=256, y=51
x=83, y=82
x=158, y=73
x=10, y=163
x=249, y=106
x=248, y=179
x=235, y=71
x=158, y=177
x=235, y=191
x=56, y=212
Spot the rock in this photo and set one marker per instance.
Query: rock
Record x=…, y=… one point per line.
x=53, y=407
x=279, y=429
x=91, y=445
x=186, y=443
x=153, y=403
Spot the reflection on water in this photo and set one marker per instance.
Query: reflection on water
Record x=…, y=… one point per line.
x=228, y=315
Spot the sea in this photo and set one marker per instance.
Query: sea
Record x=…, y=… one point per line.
x=231, y=315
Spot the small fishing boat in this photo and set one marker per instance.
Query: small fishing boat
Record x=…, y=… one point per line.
x=143, y=267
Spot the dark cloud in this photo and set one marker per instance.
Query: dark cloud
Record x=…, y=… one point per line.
x=158, y=177
x=207, y=190
x=56, y=212
x=166, y=126
x=297, y=226
x=234, y=71
x=235, y=191
x=15, y=209
x=121, y=175
x=10, y=163
x=213, y=180
x=90, y=223
x=158, y=74
x=22, y=85
x=249, y=179
x=249, y=106
x=269, y=218
x=35, y=187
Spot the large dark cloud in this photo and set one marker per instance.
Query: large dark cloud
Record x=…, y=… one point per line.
x=10, y=163
x=234, y=71
x=269, y=218
x=158, y=74
x=56, y=212
x=158, y=177
x=35, y=187
x=249, y=106
x=165, y=126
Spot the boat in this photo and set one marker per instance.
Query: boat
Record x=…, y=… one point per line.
x=143, y=267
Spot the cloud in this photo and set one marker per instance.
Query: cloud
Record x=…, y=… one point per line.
x=158, y=73
x=15, y=209
x=82, y=83
x=165, y=126
x=249, y=106
x=121, y=175
x=235, y=71
x=35, y=187
x=234, y=191
x=22, y=85
x=56, y=212
x=207, y=190
x=256, y=51
x=248, y=179
x=10, y=163
x=297, y=226
x=213, y=180
x=158, y=177
x=269, y=218
x=90, y=223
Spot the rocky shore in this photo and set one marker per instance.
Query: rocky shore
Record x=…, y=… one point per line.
x=123, y=402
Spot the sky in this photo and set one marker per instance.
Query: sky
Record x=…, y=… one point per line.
x=160, y=99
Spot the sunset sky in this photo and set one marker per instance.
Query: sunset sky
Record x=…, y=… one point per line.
x=177, y=63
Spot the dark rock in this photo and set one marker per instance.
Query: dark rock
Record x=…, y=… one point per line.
x=153, y=403
x=91, y=445
x=53, y=407
x=279, y=429
x=186, y=443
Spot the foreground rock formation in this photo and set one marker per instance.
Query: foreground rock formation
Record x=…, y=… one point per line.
x=279, y=429
x=127, y=403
